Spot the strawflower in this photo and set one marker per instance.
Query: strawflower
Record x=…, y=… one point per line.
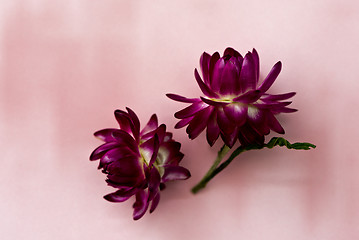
x=138, y=162
x=235, y=104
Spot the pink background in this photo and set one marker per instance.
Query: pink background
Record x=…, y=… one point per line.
x=66, y=65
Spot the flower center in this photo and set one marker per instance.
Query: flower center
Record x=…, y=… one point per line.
x=146, y=156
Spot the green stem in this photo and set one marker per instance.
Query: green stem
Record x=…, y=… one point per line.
x=235, y=153
x=209, y=175
x=215, y=169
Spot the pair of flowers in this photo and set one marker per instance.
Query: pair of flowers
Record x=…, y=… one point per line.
x=234, y=106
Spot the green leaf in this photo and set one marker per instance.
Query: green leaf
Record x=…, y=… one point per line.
x=279, y=141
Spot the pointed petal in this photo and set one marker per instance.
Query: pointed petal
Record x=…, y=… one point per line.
x=217, y=75
x=283, y=110
x=175, y=173
x=153, y=183
x=124, y=121
x=151, y=125
x=156, y=146
x=199, y=122
x=161, y=133
x=272, y=105
x=248, y=75
x=212, y=129
x=248, y=97
x=213, y=102
x=204, y=63
x=179, y=98
x=121, y=158
x=101, y=150
x=168, y=137
x=183, y=122
x=112, y=197
x=124, y=138
x=120, y=195
x=247, y=135
x=274, y=124
x=225, y=125
x=272, y=76
x=204, y=88
x=106, y=134
x=231, y=52
x=230, y=78
x=141, y=204
x=257, y=120
x=124, y=182
x=278, y=97
x=256, y=64
x=136, y=123
x=169, y=153
x=155, y=202
x=230, y=139
x=191, y=110
x=215, y=57
x=237, y=113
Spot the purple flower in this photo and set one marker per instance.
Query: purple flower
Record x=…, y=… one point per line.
x=235, y=105
x=138, y=163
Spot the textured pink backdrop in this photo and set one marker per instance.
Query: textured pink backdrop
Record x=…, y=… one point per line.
x=65, y=65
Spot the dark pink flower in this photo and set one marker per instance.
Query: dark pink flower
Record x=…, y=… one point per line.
x=138, y=163
x=235, y=105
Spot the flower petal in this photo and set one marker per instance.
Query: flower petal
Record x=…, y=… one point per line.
x=155, y=202
x=229, y=79
x=248, y=97
x=136, y=123
x=231, y=52
x=169, y=151
x=124, y=121
x=151, y=125
x=124, y=138
x=204, y=63
x=257, y=120
x=274, y=124
x=106, y=134
x=190, y=110
x=156, y=145
x=212, y=133
x=217, y=75
x=120, y=160
x=247, y=76
x=283, y=110
x=230, y=139
x=175, y=173
x=153, y=183
x=214, y=103
x=183, y=122
x=101, y=150
x=256, y=63
x=247, y=135
x=120, y=195
x=125, y=182
x=141, y=204
x=272, y=76
x=236, y=113
x=271, y=105
x=212, y=62
x=225, y=125
x=179, y=98
x=199, y=122
x=278, y=97
x=204, y=88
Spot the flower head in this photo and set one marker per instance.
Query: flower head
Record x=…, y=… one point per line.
x=235, y=105
x=138, y=163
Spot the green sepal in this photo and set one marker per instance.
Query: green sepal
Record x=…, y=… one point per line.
x=283, y=142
